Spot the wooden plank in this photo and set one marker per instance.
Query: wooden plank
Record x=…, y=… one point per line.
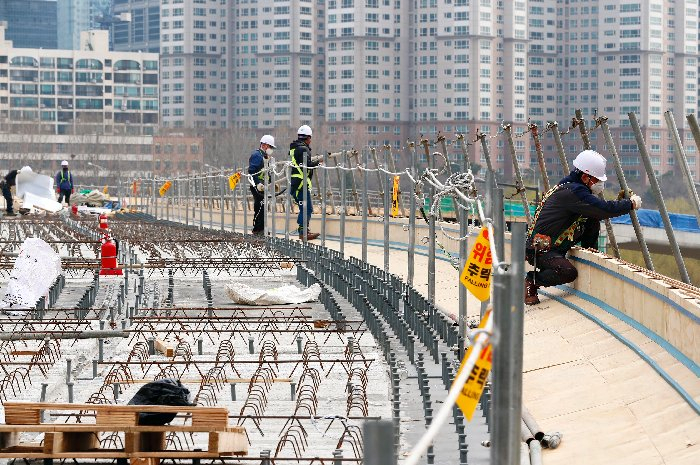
x=78, y=427
x=24, y=352
x=164, y=348
x=144, y=442
x=35, y=406
x=59, y=442
x=229, y=443
x=144, y=461
x=117, y=417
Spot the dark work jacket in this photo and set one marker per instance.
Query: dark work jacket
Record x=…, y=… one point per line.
x=571, y=202
x=302, y=153
x=255, y=164
x=10, y=178
x=64, y=180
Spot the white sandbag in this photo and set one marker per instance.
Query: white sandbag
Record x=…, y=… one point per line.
x=36, y=268
x=241, y=293
x=34, y=183
x=34, y=201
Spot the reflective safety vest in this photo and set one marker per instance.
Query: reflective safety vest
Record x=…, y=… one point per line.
x=299, y=173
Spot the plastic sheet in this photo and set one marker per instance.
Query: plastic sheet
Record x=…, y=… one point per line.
x=36, y=268
x=241, y=293
x=652, y=219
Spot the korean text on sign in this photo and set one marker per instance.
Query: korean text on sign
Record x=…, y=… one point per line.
x=233, y=180
x=476, y=275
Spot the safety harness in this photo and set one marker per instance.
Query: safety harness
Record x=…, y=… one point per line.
x=299, y=174
x=63, y=178
x=567, y=234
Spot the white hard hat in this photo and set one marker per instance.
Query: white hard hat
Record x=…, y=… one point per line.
x=26, y=169
x=592, y=163
x=269, y=140
x=304, y=130
x=64, y=163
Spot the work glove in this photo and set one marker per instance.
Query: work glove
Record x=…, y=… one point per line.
x=636, y=202
x=317, y=159
x=260, y=187
x=621, y=194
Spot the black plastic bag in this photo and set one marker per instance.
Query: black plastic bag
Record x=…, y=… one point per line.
x=162, y=392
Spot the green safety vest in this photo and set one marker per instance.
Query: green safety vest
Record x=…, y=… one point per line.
x=299, y=173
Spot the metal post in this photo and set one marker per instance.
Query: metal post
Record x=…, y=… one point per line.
x=443, y=145
x=221, y=195
x=201, y=201
x=554, y=126
x=210, y=194
x=244, y=196
x=266, y=197
x=654, y=184
x=378, y=435
x=288, y=208
x=273, y=201
x=508, y=129
x=355, y=154
x=323, y=182
x=380, y=185
x=431, y=227
x=234, y=200
x=487, y=155
x=683, y=160
x=365, y=203
x=305, y=193
x=343, y=208
x=187, y=200
x=463, y=252
x=412, y=220
x=587, y=145
x=623, y=183
x=540, y=155
x=387, y=213
x=155, y=201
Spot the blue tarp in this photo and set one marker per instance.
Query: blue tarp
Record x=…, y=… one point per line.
x=652, y=219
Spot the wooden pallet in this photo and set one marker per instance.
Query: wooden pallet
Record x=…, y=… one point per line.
x=142, y=444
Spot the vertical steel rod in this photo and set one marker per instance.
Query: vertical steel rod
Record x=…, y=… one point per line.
x=387, y=214
x=273, y=199
x=683, y=162
x=187, y=200
x=654, y=184
x=693, y=122
x=487, y=155
x=431, y=227
x=244, y=199
x=518, y=176
x=554, y=126
x=365, y=203
x=266, y=198
x=305, y=204
x=443, y=145
x=623, y=184
x=343, y=207
x=288, y=209
x=201, y=202
x=412, y=219
x=323, y=182
x=463, y=252
x=540, y=156
x=221, y=194
x=587, y=145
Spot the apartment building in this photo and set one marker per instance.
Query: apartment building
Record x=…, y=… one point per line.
x=87, y=105
x=142, y=31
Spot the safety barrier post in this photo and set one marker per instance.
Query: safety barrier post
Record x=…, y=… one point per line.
x=540, y=155
x=343, y=209
x=266, y=198
x=654, y=184
x=487, y=155
x=463, y=252
x=155, y=202
x=683, y=160
x=508, y=352
x=412, y=220
x=623, y=184
x=443, y=145
x=244, y=197
x=377, y=436
x=581, y=123
x=323, y=182
x=365, y=205
x=380, y=181
x=200, y=192
x=210, y=194
x=554, y=127
x=519, y=186
x=387, y=214
x=222, y=198
x=288, y=209
x=233, y=202
x=304, y=204
x=356, y=155
x=431, y=227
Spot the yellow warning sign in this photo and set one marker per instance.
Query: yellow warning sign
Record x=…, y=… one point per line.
x=395, y=197
x=474, y=386
x=233, y=180
x=476, y=275
x=105, y=190
x=164, y=188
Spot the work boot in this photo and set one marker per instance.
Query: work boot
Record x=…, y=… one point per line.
x=10, y=214
x=310, y=236
x=259, y=233
x=531, y=293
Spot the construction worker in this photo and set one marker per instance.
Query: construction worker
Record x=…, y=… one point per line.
x=255, y=170
x=6, y=183
x=569, y=213
x=64, y=183
x=300, y=153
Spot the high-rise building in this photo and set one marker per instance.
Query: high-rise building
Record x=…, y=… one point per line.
x=30, y=23
x=76, y=16
x=142, y=31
